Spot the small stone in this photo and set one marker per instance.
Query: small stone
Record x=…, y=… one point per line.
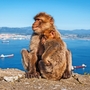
x=10, y=79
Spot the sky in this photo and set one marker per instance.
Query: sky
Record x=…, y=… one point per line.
x=68, y=14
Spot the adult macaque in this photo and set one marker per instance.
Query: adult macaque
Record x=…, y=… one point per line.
x=31, y=58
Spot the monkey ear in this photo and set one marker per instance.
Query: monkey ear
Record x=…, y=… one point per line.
x=53, y=33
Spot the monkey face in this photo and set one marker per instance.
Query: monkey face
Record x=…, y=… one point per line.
x=45, y=37
x=42, y=22
x=49, y=34
x=37, y=26
x=43, y=40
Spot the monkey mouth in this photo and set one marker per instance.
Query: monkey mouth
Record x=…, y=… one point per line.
x=35, y=28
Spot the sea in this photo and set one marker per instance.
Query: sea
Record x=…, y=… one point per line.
x=80, y=50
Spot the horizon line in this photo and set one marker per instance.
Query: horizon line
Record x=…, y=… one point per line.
x=31, y=27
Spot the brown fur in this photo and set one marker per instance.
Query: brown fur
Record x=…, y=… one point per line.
x=68, y=71
x=31, y=58
x=53, y=63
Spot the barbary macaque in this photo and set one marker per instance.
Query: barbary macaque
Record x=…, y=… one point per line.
x=53, y=63
x=31, y=58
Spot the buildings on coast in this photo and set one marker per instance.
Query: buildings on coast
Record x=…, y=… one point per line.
x=13, y=36
x=4, y=36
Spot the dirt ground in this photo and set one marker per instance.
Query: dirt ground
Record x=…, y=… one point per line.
x=14, y=79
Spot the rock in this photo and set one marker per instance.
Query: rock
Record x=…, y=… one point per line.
x=14, y=79
x=11, y=75
x=10, y=79
x=82, y=79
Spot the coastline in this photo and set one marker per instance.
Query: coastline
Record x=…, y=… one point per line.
x=4, y=36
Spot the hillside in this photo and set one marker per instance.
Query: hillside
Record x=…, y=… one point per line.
x=21, y=31
x=78, y=33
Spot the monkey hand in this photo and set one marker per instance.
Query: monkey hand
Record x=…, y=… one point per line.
x=46, y=62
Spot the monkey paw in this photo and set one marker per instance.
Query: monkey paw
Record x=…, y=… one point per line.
x=47, y=63
x=32, y=75
x=67, y=74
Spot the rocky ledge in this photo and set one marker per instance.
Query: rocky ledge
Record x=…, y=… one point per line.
x=14, y=79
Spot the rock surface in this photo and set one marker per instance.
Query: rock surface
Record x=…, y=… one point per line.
x=14, y=79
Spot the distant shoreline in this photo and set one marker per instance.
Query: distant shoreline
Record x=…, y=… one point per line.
x=4, y=36
x=14, y=36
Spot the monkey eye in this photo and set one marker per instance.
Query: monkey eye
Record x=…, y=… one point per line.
x=39, y=20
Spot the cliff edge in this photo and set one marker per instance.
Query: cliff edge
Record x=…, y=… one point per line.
x=14, y=79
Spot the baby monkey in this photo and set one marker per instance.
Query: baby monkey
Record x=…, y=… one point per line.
x=48, y=38
x=53, y=63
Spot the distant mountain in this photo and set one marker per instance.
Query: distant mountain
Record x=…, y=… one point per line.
x=77, y=31
x=24, y=30
x=80, y=33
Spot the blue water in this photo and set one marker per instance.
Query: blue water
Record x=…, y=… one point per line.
x=80, y=53
x=13, y=47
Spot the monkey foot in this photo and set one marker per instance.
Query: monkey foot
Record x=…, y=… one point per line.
x=32, y=75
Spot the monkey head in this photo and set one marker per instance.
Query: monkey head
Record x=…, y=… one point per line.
x=47, y=35
x=42, y=22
